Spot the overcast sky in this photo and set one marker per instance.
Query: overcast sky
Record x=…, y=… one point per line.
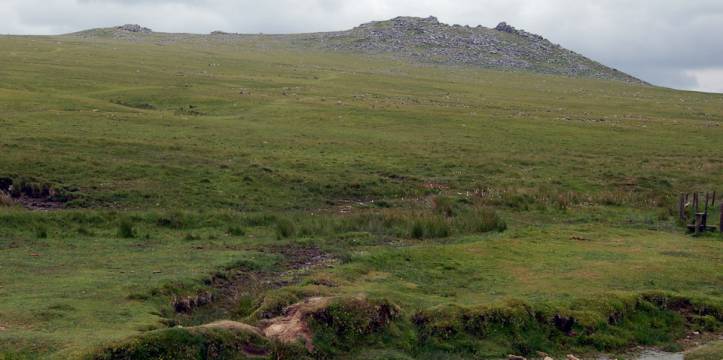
x=675, y=43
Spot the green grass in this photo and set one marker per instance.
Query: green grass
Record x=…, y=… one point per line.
x=535, y=265
x=711, y=352
x=434, y=188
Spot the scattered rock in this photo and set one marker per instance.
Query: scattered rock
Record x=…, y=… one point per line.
x=571, y=357
x=515, y=357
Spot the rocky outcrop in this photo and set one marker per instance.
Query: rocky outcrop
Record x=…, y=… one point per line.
x=427, y=40
x=134, y=28
x=423, y=40
x=504, y=27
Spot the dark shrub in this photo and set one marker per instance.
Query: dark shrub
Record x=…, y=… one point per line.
x=285, y=228
x=236, y=231
x=126, y=230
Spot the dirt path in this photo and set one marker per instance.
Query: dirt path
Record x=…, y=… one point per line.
x=229, y=288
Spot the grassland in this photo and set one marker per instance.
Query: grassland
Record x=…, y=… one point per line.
x=433, y=188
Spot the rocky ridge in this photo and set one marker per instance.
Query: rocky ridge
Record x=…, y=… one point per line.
x=421, y=40
x=427, y=40
x=134, y=28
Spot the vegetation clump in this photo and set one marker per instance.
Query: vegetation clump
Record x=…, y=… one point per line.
x=126, y=229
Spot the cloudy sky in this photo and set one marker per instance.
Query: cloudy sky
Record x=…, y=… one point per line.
x=675, y=43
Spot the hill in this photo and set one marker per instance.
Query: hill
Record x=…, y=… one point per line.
x=425, y=40
x=189, y=196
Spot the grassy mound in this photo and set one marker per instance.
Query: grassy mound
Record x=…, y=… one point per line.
x=344, y=326
x=197, y=343
x=611, y=324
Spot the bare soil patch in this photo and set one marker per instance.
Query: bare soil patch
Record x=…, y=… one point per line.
x=229, y=287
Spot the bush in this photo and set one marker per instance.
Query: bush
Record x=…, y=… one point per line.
x=192, y=237
x=236, y=231
x=41, y=232
x=174, y=220
x=285, y=228
x=444, y=206
x=417, y=230
x=349, y=323
x=83, y=231
x=480, y=220
x=192, y=343
x=432, y=227
x=126, y=230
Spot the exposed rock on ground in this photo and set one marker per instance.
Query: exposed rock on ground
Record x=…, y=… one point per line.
x=135, y=28
x=293, y=325
x=429, y=41
x=422, y=40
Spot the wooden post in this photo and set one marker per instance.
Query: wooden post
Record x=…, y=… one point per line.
x=705, y=212
x=695, y=205
x=720, y=225
x=712, y=204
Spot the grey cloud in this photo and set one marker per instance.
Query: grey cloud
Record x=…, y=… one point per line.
x=662, y=41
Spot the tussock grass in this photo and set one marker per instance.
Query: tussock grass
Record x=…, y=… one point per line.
x=417, y=224
x=126, y=229
x=6, y=200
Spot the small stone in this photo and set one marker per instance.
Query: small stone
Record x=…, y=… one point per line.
x=515, y=357
x=571, y=357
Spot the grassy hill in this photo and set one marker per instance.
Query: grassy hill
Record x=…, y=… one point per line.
x=488, y=208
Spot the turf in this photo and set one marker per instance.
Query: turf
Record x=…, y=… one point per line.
x=217, y=152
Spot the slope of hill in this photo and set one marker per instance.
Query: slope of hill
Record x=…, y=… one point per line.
x=504, y=47
x=424, y=40
x=151, y=184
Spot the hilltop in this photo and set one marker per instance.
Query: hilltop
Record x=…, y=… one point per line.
x=422, y=40
x=430, y=41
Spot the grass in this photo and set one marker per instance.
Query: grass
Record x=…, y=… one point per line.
x=710, y=352
x=444, y=191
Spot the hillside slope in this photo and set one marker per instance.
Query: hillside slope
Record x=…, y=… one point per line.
x=504, y=47
x=241, y=174
x=423, y=40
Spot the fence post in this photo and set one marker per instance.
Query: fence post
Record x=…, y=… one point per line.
x=695, y=204
x=705, y=212
x=712, y=204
